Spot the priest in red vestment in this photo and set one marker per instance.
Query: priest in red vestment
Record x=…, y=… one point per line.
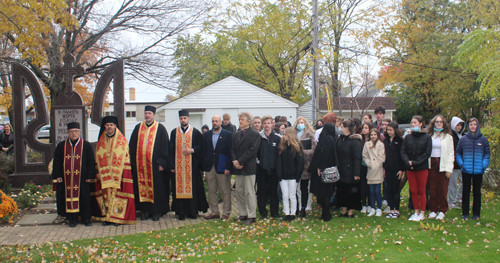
x=73, y=170
x=113, y=198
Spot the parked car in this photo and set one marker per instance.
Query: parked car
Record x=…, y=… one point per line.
x=43, y=133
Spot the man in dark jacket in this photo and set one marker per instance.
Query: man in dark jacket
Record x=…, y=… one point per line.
x=243, y=154
x=217, y=165
x=267, y=178
x=454, y=195
x=226, y=123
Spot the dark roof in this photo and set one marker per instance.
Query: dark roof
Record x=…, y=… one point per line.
x=362, y=103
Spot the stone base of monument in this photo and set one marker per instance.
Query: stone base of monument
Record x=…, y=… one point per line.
x=39, y=178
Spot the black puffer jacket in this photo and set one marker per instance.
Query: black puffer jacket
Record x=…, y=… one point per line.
x=349, y=155
x=393, y=160
x=417, y=148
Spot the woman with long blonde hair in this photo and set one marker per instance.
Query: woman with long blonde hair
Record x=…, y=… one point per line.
x=290, y=167
x=305, y=133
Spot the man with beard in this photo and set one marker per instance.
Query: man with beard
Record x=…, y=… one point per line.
x=113, y=200
x=149, y=160
x=185, y=163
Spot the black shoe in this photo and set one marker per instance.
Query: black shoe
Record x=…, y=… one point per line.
x=326, y=219
x=263, y=217
x=276, y=216
x=303, y=212
x=287, y=218
x=116, y=224
x=156, y=217
x=106, y=223
x=344, y=215
x=182, y=217
x=291, y=218
x=350, y=216
x=193, y=217
x=72, y=223
x=145, y=216
x=87, y=223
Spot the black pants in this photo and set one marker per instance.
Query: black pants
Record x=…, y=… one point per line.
x=393, y=194
x=304, y=192
x=477, y=181
x=324, y=201
x=267, y=189
x=364, y=189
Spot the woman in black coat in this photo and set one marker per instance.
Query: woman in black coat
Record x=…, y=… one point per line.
x=323, y=157
x=349, y=155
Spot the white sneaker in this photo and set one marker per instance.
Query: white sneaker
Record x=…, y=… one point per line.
x=412, y=217
x=384, y=203
x=372, y=212
x=379, y=212
x=308, y=208
x=387, y=210
x=432, y=215
x=363, y=210
x=421, y=217
x=440, y=216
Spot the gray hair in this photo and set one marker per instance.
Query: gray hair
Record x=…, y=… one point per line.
x=246, y=115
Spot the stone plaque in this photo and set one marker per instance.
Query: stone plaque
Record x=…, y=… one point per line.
x=65, y=115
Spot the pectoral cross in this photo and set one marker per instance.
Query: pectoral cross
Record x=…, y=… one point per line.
x=68, y=71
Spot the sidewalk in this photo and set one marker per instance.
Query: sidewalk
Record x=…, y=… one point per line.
x=24, y=235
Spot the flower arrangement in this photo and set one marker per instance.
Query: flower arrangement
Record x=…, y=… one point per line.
x=7, y=208
x=32, y=195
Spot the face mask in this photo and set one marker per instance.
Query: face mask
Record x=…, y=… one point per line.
x=438, y=130
x=319, y=126
x=415, y=129
x=281, y=133
x=301, y=127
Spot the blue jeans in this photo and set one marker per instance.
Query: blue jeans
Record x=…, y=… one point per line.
x=375, y=194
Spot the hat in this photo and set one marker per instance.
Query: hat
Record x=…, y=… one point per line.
x=73, y=125
x=107, y=119
x=110, y=119
x=183, y=113
x=150, y=108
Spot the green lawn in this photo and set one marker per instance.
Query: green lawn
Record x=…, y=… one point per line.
x=310, y=240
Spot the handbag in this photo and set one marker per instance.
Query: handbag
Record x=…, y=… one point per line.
x=331, y=174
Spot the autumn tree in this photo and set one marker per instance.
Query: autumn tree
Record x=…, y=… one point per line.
x=264, y=43
x=418, y=39
x=140, y=32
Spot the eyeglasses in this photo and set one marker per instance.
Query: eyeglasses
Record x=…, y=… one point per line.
x=74, y=131
x=438, y=122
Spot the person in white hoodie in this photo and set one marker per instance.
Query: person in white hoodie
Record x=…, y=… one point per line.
x=454, y=195
x=374, y=157
x=440, y=166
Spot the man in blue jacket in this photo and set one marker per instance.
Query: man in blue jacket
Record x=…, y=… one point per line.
x=217, y=164
x=473, y=157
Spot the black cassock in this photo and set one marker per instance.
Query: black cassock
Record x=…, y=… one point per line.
x=87, y=172
x=160, y=181
x=190, y=207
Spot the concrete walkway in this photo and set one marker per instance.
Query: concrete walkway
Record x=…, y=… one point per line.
x=38, y=232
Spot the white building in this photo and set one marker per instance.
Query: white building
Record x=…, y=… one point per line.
x=350, y=108
x=230, y=95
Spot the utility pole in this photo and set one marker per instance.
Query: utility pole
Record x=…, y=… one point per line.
x=315, y=80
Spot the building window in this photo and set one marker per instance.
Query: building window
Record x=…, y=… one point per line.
x=129, y=114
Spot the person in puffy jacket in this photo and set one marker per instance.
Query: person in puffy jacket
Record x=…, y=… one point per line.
x=415, y=153
x=473, y=156
x=394, y=168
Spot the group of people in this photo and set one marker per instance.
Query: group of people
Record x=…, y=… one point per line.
x=282, y=161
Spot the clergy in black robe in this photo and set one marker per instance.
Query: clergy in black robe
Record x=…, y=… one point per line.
x=73, y=169
x=185, y=163
x=148, y=159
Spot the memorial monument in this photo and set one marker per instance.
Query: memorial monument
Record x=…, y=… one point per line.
x=68, y=107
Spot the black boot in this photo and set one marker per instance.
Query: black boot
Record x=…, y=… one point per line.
x=303, y=212
x=145, y=216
